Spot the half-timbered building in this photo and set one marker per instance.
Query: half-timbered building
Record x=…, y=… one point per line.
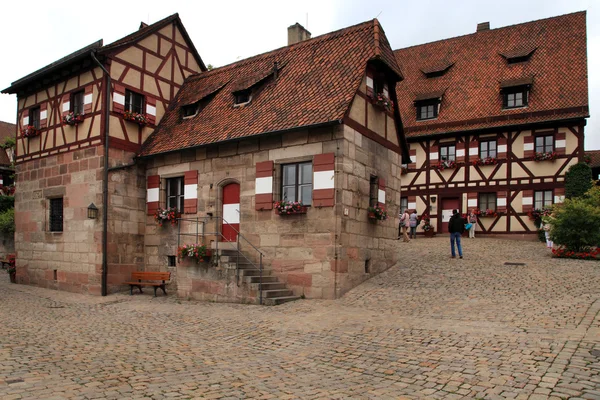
x=494, y=119
x=66, y=120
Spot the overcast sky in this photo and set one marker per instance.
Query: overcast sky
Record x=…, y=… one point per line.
x=35, y=33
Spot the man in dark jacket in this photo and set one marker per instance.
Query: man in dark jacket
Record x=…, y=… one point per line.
x=456, y=226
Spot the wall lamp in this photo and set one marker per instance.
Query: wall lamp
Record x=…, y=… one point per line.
x=92, y=211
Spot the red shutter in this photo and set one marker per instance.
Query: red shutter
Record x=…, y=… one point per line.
x=25, y=118
x=43, y=115
x=381, y=193
x=501, y=202
x=560, y=141
x=501, y=148
x=65, y=106
x=434, y=155
x=528, y=147
x=559, y=195
x=153, y=193
x=88, y=99
x=119, y=98
x=264, y=186
x=412, y=163
x=472, y=201
x=190, y=193
x=151, y=110
x=473, y=150
x=370, y=83
x=460, y=152
x=528, y=200
x=323, y=180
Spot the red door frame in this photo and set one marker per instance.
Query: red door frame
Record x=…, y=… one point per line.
x=230, y=210
x=443, y=226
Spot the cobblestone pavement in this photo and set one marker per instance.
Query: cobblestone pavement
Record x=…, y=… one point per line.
x=432, y=327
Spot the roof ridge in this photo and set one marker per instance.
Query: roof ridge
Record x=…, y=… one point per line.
x=494, y=29
x=147, y=28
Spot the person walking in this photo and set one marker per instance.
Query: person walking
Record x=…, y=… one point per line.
x=405, y=224
x=546, y=228
x=473, y=222
x=456, y=226
x=414, y=221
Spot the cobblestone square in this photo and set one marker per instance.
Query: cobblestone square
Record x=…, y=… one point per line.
x=430, y=327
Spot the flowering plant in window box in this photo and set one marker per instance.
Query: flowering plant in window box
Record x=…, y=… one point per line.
x=72, y=119
x=548, y=156
x=537, y=214
x=170, y=214
x=30, y=131
x=285, y=207
x=426, y=222
x=486, y=161
x=403, y=170
x=197, y=252
x=382, y=102
x=488, y=213
x=442, y=165
x=139, y=119
x=377, y=213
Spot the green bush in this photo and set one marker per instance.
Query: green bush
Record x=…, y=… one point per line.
x=578, y=180
x=7, y=221
x=576, y=222
x=6, y=202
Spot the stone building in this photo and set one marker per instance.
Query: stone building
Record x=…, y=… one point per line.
x=494, y=119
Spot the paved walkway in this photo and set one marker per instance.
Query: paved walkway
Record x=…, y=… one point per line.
x=433, y=327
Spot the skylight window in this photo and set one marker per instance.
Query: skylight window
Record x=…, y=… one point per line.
x=190, y=110
x=243, y=97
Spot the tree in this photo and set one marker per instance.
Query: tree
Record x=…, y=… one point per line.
x=578, y=180
x=575, y=223
x=209, y=67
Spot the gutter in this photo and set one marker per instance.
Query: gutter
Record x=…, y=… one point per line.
x=105, y=177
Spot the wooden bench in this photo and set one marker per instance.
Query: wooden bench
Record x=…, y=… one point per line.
x=143, y=278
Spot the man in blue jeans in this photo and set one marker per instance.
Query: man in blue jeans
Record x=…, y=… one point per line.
x=456, y=226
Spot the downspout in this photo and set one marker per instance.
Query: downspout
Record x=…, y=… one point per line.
x=105, y=177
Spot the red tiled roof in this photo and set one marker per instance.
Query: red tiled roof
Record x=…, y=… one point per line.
x=472, y=98
x=315, y=84
x=6, y=130
x=594, y=158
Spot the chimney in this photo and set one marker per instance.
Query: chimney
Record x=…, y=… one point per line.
x=483, y=26
x=297, y=33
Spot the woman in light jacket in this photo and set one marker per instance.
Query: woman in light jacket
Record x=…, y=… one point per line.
x=413, y=224
x=473, y=222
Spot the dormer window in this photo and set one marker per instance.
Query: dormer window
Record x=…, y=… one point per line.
x=519, y=54
x=243, y=97
x=428, y=105
x=190, y=110
x=438, y=69
x=515, y=93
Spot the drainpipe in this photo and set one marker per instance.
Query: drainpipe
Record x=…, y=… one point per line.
x=105, y=177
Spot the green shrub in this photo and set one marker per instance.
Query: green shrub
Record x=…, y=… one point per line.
x=578, y=180
x=6, y=202
x=7, y=221
x=576, y=222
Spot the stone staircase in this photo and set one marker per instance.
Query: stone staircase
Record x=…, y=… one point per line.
x=274, y=292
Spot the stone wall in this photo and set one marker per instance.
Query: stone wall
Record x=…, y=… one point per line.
x=71, y=260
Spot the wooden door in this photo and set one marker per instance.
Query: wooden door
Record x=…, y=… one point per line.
x=231, y=212
x=448, y=204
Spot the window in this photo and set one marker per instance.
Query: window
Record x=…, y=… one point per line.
x=448, y=152
x=242, y=97
x=190, y=110
x=56, y=215
x=297, y=183
x=175, y=193
x=373, y=191
x=427, y=110
x=487, y=201
x=172, y=261
x=487, y=149
x=77, y=102
x=542, y=198
x=34, y=117
x=403, y=204
x=134, y=102
x=515, y=97
x=544, y=144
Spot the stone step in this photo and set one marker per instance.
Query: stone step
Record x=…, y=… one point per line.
x=277, y=293
x=257, y=279
x=274, y=301
x=253, y=272
x=269, y=286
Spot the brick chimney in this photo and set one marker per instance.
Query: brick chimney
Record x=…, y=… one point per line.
x=483, y=26
x=297, y=33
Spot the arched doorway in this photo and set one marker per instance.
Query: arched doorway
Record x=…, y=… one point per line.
x=231, y=212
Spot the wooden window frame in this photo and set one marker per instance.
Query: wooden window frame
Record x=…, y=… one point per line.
x=543, y=148
x=373, y=191
x=544, y=200
x=185, y=110
x=131, y=96
x=485, y=153
x=297, y=185
x=176, y=200
x=524, y=90
x=56, y=214
x=435, y=104
x=447, y=146
x=242, y=97
x=74, y=106
x=486, y=196
x=403, y=207
x=35, y=122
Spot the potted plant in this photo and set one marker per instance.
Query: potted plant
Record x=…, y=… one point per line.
x=170, y=214
x=487, y=213
x=72, y=119
x=381, y=101
x=285, y=207
x=403, y=170
x=486, y=161
x=139, y=119
x=30, y=131
x=12, y=268
x=547, y=156
x=442, y=165
x=377, y=213
x=196, y=252
x=428, y=229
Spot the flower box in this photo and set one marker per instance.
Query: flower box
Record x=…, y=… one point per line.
x=377, y=213
x=30, y=131
x=442, y=165
x=403, y=170
x=163, y=215
x=139, y=119
x=486, y=161
x=72, y=119
x=195, y=252
x=548, y=156
x=382, y=102
x=429, y=233
x=290, y=207
x=487, y=214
